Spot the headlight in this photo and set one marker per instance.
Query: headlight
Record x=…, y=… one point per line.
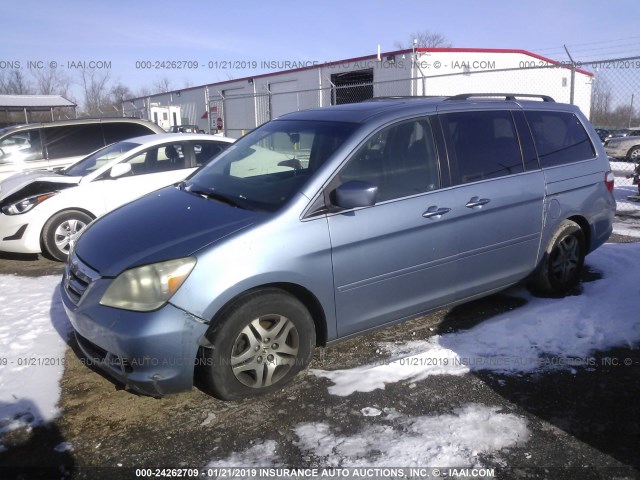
x=149, y=287
x=23, y=206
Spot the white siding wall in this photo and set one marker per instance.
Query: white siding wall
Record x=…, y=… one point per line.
x=248, y=103
x=192, y=107
x=468, y=68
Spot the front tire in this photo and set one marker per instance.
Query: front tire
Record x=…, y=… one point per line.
x=560, y=269
x=259, y=345
x=60, y=232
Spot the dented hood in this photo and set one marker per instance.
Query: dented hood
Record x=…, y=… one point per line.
x=27, y=184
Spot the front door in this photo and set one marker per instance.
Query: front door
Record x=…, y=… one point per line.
x=396, y=258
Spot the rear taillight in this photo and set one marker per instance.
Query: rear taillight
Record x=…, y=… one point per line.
x=609, y=180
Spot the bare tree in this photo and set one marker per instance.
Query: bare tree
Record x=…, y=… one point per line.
x=162, y=85
x=96, y=91
x=144, y=91
x=15, y=83
x=52, y=81
x=623, y=116
x=600, y=101
x=118, y=94
x=425, y=39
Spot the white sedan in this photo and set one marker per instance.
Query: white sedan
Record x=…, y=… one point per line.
x=45, y=211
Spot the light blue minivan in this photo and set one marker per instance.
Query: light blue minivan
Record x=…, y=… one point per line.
x=331, y=222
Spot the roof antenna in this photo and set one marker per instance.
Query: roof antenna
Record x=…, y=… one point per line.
x=379, y=57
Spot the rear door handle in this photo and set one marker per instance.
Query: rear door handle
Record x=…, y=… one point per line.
x=477, y=202
x=435, y=212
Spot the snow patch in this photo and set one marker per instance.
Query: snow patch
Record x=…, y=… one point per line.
x=450, y=439
x=434, y=360
x=64, y=447
x=370, y=412
x=33, y=334
x=262, y=454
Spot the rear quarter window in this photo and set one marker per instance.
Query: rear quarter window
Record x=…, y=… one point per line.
x=560, y=138
x=73, y=140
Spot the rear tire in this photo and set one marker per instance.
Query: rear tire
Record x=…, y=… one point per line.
x=561, y=266
x=60, y=232
x=634, y=154
x=259, y=345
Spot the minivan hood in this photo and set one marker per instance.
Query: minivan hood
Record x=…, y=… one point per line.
x=166, y=224
x=46, y=182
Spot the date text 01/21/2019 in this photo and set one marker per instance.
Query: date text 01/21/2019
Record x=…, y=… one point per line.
x=194, y=64
x=32, y=361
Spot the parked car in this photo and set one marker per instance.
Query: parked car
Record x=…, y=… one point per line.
x=43, y=212
x=603, y=133
x=48, y=145
x=331, y=222
x=185, y=129
x=624, y=148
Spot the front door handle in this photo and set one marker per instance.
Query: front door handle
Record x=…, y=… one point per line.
x=435, y=212
x=477, y=202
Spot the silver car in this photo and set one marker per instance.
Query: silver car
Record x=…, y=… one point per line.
x=331, y=222
x=623, y=148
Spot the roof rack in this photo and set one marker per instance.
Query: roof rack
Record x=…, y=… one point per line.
x=401, y=97
x=507, y=96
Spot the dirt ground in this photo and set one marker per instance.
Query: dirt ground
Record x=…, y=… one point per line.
x=582, y=426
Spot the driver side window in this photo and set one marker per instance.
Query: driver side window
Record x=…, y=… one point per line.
x=400, y=160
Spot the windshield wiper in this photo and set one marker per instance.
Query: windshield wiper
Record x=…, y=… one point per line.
x=214, y=196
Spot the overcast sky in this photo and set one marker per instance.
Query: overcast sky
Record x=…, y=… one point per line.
x=123, y=32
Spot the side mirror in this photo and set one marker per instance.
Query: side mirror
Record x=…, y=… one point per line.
x=120, y=170
x=355, y=194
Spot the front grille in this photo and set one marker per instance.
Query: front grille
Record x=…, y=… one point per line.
x=94, y=352
x=99, y=357
x=77, y=278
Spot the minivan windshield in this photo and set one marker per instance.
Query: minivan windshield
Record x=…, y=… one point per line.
x=264, y=169
x=98, y=159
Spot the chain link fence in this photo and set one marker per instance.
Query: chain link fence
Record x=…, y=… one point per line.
x=615, y=112
x=607, y=91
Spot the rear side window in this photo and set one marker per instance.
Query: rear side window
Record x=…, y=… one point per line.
x=482, y=145
x=560, y=138
x=73, y=140
x=400, y=160
x=114, y=132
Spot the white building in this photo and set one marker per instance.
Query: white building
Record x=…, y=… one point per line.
x=236, y=106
